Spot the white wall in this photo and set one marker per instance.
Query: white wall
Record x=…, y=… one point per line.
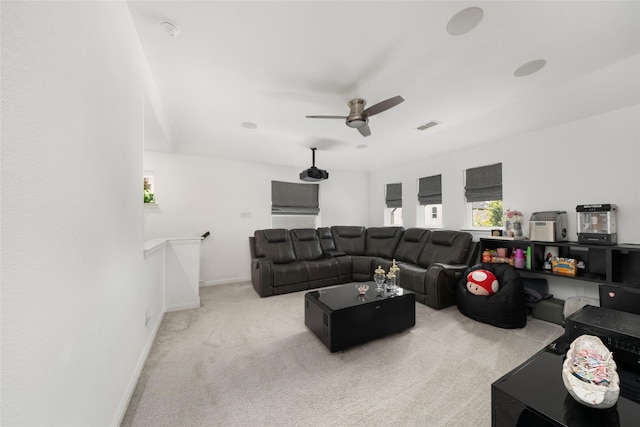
x=232, y=200
x=73, y=292
x=592, y=160
x=587, y=161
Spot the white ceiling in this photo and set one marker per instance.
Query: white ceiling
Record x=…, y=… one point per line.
x=273, y=63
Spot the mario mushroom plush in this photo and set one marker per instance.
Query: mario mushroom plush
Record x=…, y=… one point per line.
x=482, y=282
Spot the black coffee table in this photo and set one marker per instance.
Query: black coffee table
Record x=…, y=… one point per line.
x=341, y=318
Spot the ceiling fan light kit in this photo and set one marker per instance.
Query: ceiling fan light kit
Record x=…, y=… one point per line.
x=356, y=119
x=313, y=174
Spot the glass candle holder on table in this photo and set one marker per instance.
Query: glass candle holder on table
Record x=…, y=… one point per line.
x=391, y=282
x=379, y=278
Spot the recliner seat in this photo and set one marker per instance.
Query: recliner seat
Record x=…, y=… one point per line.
x=277, y=270
x=321, y=271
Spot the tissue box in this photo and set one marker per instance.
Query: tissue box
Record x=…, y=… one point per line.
x=563, y=266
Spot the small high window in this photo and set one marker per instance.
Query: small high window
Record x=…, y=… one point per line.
x=149, y=187
x=393, y=202
x=430, y=201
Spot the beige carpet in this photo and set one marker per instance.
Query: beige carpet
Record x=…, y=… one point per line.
x=242, y=360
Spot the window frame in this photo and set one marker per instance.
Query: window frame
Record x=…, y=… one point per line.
x=296, y=202
x=393, y=202
x=485, y=182
x=429, y=197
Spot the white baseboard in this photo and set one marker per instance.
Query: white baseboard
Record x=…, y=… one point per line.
x=135, y=377
x=224, y=281
x=184, y=306
x=133, y=382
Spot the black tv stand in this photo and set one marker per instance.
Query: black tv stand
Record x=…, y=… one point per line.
x=617, y=265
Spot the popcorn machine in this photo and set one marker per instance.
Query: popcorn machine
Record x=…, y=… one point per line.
x=597, y=224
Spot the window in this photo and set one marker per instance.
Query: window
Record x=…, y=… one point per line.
x=483, y=191
x=430, y=201
x=393, y=201
x=149, y=187
x=294, y=205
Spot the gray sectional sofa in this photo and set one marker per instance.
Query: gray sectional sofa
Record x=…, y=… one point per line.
x=430, y=261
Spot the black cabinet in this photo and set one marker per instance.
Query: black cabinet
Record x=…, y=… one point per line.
x=616, y=264
x=341, y=318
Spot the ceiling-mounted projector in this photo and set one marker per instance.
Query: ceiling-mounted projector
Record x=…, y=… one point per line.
x=313, y=173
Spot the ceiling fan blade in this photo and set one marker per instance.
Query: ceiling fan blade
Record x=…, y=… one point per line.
x=364, y=130
x=383, y=106
x=327, y=117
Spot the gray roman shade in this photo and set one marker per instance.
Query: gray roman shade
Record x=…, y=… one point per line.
x=394, y=195
x=289, y=198
x=430, y=190
x=484, y=183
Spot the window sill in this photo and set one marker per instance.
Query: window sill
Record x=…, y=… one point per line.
x=477, y=229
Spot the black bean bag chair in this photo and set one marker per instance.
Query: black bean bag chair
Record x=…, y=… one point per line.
x=504, y=309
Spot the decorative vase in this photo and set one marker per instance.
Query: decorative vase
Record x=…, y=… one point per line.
x=391, y=281
x=379, y=277
x=394, y=270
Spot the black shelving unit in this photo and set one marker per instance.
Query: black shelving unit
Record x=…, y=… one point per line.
x=616, y=264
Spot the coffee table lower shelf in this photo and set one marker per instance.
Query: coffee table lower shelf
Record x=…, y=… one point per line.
x=342, y=319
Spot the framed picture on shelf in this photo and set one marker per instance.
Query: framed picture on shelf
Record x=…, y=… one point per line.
x=549, y=253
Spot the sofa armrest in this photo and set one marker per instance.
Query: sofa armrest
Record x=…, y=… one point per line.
x=441, y=283
x=453, y=271
x=262, y=276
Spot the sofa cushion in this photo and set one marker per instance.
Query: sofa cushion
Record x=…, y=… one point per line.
x=444, y=237
x=362, y=268
x=348, y=230
x=274, y=244
x=304, y=234
x=290, y=273
x=306, y=244
x=349, y=239
x=382, y=241
x=325, y=268
x=411, y=244
x=326, y=239
x=445, y=246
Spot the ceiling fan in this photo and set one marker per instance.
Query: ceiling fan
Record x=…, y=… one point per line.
x=359, y=117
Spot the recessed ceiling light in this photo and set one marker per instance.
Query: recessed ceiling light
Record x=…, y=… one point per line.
x=361, y=146
x=464, y=21
x=170, y=29
x=529, y=68
x=249, y=125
